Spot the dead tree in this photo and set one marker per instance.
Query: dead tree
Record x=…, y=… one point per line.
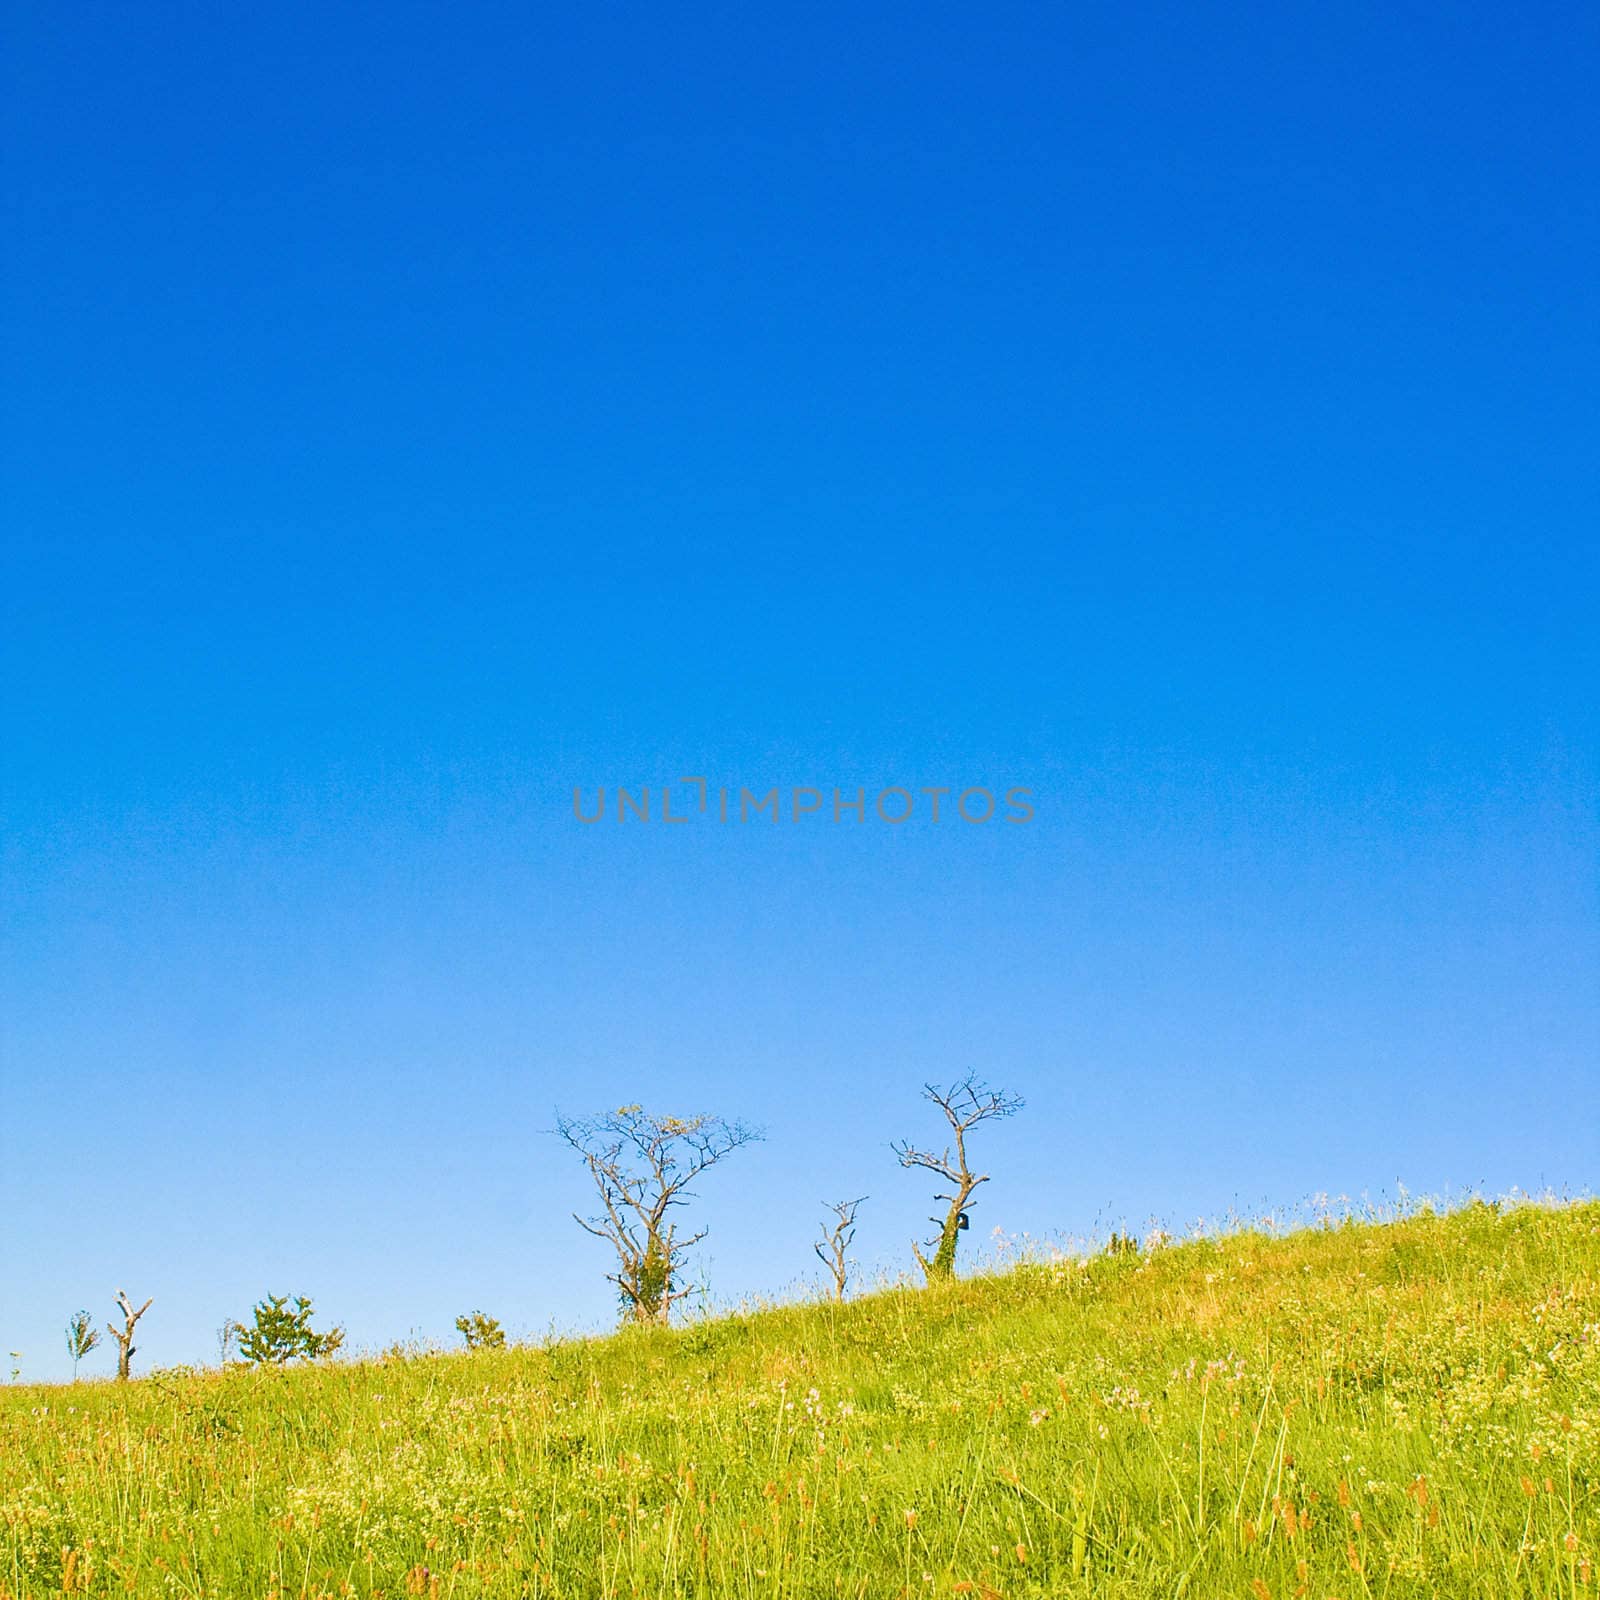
x=831, y=1248
x=642, y=1166
x=965, y=1104
x=124, y=1335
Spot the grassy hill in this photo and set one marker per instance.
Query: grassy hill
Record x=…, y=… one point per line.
x=1394, y=1410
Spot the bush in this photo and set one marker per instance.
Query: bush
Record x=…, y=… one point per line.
x=480, y=1331
x=279, y=1333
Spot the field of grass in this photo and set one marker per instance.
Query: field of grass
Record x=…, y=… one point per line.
x=1391, y=1410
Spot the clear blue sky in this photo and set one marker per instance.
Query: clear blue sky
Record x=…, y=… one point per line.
x=418, y=411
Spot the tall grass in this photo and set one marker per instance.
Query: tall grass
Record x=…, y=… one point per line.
x=1355, y=1410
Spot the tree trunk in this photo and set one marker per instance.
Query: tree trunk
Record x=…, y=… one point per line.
x=943, y=1266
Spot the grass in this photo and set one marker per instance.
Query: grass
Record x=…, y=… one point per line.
x=1403, y=1409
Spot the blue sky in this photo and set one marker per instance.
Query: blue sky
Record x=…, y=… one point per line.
x=421, y=411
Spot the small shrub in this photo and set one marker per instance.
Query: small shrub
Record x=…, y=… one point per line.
x=280, y=1333
x=480, y=1331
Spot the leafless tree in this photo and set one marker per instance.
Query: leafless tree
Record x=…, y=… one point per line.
x=124, y=1335
x=965, y=1104
x=835, y=1242
x=642, y=1166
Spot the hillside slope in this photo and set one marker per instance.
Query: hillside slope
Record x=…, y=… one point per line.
x=1396, y=1410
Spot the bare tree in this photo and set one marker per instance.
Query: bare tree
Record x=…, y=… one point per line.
x=642, y=1166
x=965, y=1104
x=82, y=1338
x=124, y=1335
x=835, y=1242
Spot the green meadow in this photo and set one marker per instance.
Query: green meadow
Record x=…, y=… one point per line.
x=1387, y=1409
